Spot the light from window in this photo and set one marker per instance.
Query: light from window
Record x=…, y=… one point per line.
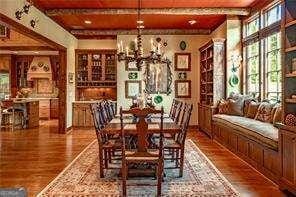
x=273, y=67
x=253, y=86
x=272, y=15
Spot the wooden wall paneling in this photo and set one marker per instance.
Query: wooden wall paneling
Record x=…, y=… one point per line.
x=255, y=154
x=262, y=158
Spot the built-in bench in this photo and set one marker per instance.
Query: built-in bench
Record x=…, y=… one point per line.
x=254, y=141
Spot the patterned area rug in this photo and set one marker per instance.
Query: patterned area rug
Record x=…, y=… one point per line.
x=80, y=178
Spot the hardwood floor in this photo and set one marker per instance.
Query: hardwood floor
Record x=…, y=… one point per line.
x=33, y=158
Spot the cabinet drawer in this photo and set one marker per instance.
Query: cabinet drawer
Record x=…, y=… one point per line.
x=44, y=104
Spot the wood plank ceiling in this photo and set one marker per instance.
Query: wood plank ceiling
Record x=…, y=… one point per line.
x=110, y=17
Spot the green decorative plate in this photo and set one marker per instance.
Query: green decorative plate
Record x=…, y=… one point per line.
x=233, y=80
x=183, y=45
x=158, y=99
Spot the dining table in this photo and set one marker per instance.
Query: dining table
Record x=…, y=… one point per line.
x=114, y=126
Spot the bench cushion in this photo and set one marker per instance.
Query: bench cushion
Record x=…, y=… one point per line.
x=262, y=132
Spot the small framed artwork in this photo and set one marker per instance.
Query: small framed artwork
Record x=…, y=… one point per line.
x=183, y=88
x=182, y=61
x=132, y=88
x=131, y=66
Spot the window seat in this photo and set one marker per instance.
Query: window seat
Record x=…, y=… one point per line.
x=261, y=132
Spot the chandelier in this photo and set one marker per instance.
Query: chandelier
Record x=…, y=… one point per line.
x=135, y=53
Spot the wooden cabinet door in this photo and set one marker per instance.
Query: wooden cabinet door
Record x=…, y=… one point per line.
x=88, y=118
x=289, y=158
x=208, y=119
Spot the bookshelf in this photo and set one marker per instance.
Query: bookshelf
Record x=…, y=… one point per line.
x=212, y=78
x=212, y=81
x=289, y=56
x=287, y=134
x=96, y=74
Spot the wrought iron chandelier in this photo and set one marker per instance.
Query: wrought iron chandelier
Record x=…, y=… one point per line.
x=135, y=53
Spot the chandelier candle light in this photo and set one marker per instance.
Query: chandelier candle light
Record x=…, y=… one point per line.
x=135, y=54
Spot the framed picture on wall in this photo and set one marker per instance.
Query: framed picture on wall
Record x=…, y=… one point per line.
x=182, y=61
x=183, y=88
x=132, y=88
x=131, y=66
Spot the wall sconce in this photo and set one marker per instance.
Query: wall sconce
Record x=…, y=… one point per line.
x=25, y=9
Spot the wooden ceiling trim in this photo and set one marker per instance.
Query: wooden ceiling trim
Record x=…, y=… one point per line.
x=144, y=32
x=163, y=11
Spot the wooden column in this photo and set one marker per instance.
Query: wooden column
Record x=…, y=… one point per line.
x=62, y=84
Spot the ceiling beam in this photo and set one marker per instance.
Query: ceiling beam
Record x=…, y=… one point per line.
x=157, y=11
x=112, y=32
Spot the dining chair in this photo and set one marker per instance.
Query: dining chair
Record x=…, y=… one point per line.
x=106, y=146
x=175, y=146
x=175, y=110
x=142, y=153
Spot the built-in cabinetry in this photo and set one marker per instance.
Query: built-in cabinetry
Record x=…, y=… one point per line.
x=82, y=116
x=287, y=142
x=32, y=111
x=96, y=74
x=49, y=108
x=212, y=80
x=287, y=135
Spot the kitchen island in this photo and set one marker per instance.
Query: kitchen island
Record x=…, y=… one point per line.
x=30, y=107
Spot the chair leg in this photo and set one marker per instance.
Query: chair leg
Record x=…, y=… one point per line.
x=106, y=158
x=177, y=158
x=124, y=175
x=181, y=162
x=159, y=178
x=101, y=159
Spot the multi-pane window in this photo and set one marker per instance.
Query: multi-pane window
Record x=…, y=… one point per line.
x=252, y=26
x=272, y=15
x=263, y=54
x=253, y=74
x=273, y=67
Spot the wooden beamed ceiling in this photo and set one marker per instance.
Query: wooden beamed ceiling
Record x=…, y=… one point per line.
x=110, y=18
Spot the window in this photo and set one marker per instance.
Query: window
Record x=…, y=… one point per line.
x=252, y=27
x=262, y=53
x=273, y=67
x=253, y=74
x=272, y=15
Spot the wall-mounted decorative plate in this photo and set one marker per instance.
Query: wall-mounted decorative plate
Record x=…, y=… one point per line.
x=133, y=75
x=158, y=99
x=183, y=45
x=40, y=64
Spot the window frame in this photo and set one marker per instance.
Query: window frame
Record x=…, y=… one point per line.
x=261, y=37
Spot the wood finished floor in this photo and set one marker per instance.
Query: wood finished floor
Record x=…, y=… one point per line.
x=33, y=158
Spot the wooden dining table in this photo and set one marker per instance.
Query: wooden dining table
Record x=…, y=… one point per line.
x=114, y=126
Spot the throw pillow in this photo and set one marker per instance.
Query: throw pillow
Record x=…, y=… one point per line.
x=236, y=107
x=277, y=117
x=223, y=106
x=252, y=109
x=264, y=112
x=247, y=102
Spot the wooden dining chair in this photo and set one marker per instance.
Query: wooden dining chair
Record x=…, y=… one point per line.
x=142, y=154
x=107, y=146
x=175, y=146
x=175, y=110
